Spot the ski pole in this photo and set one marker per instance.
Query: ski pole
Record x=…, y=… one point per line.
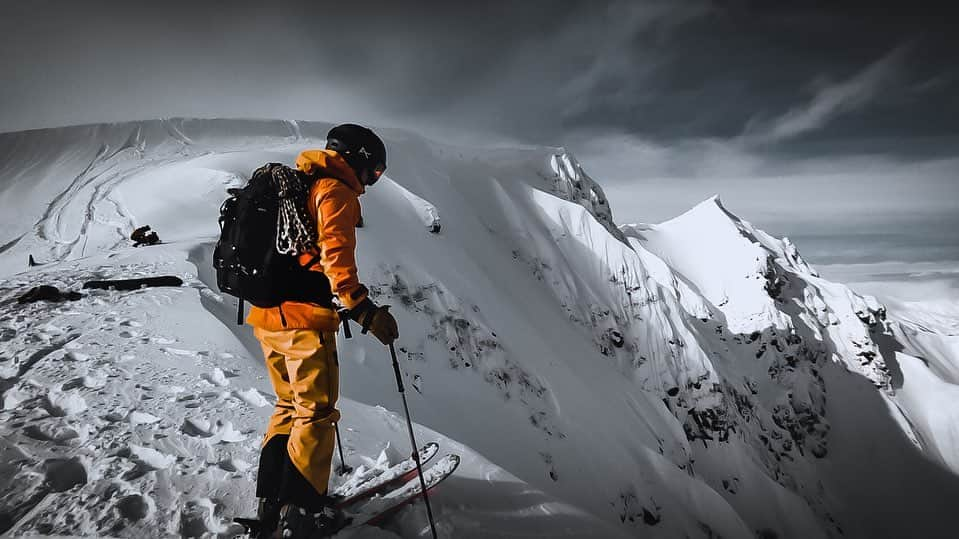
x=416, y=452
x=344, y=469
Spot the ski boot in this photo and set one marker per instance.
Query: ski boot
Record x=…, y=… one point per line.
x=299, y=523
x=264, y=526
x=268, y=513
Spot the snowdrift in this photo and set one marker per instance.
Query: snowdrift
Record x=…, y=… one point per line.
x=693, y=378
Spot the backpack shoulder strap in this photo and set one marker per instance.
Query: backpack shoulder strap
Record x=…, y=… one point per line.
x=313, y=261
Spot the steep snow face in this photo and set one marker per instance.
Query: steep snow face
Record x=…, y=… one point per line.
x=754, y=280
x=811, y=336
x=694, y=378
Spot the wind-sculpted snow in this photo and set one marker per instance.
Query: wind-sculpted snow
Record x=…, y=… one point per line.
x=801, y=328
x=570, y=182
x=695, y=378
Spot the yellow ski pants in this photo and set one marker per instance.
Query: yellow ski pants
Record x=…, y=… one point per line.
x=304, y=370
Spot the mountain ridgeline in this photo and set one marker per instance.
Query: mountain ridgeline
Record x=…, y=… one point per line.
x=694, y=377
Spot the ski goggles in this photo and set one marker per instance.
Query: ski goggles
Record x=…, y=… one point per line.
x=378, y=171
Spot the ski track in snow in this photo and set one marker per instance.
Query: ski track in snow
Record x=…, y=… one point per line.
x=729, y=373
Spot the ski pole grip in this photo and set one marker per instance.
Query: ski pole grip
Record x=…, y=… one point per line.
x=396, y=371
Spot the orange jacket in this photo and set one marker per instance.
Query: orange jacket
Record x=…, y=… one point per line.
x=335, y=206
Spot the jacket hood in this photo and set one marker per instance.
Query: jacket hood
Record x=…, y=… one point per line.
x=319, y=163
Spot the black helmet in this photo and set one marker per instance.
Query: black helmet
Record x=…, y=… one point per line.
x=362, y=149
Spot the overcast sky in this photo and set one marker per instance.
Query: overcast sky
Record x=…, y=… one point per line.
x=838, y=126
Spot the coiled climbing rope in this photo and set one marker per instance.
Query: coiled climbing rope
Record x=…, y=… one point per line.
x=295, y=229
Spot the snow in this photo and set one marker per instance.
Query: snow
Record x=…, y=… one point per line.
x=150, y=457
x=928, y=399
x=693, y=378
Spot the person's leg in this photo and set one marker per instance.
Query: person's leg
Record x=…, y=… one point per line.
x=312, y=371
x=273, y=454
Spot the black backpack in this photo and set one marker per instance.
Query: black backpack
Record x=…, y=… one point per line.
x=246, y=259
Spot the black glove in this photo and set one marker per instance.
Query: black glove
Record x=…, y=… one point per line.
x=376, y=319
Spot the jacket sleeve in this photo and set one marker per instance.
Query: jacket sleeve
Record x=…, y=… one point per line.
x=338, y=211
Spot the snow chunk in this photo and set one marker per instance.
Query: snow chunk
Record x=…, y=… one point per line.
x=224, y=432
x=65, y=403
x=181, y=352
x=218, y=432
x=234, y=465
x=150, y=457
x=13, y=398
x=95, y=381
x=73, y=355
x=217, y=377
x=196, y=427
x=51, y=329
x=142, y=418
x=252, y=397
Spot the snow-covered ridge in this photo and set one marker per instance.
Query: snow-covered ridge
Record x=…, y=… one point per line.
x=692, y=378
x=757, y=275
x=570, y=182
x=33, y=165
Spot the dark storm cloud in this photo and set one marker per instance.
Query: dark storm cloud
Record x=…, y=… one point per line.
x=674, y=71
x=844, y=74
x=532, y=70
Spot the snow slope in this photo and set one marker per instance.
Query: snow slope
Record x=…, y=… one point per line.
x=690, y=379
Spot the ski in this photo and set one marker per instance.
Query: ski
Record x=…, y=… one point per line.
x=378, y=508
x=352, y=493
x=398, y=473
x=135, y=284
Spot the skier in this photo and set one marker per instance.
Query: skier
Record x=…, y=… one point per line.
x=298, y=339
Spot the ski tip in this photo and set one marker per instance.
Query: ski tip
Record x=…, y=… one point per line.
x=427, y=451
x=447, y=465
